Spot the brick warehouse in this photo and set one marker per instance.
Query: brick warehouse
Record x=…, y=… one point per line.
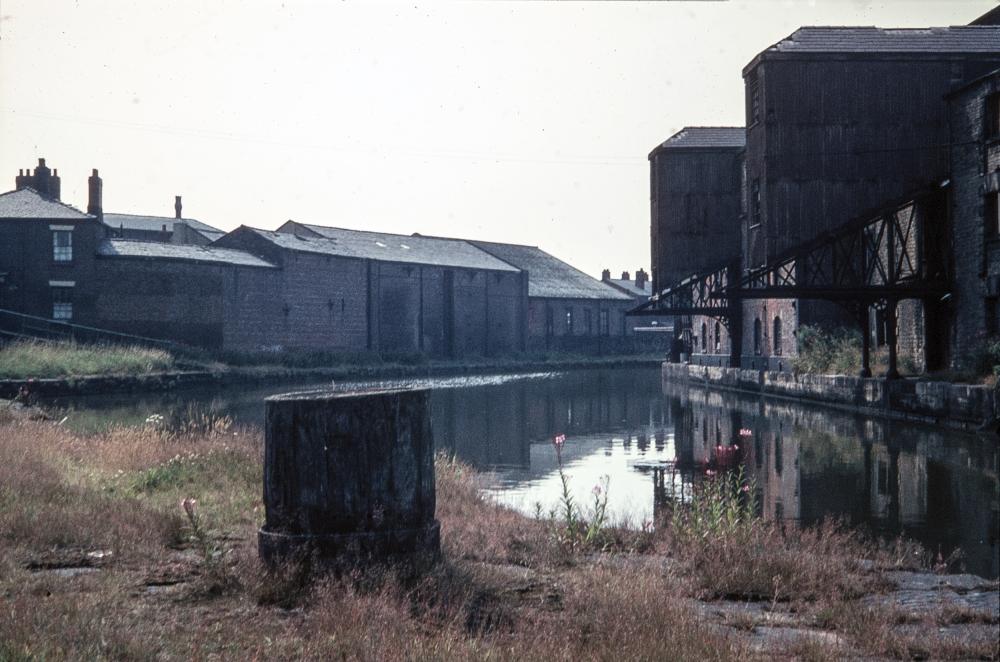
x=841, y=123
x=301, y=287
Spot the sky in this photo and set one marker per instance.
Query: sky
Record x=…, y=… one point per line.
x=505, y=121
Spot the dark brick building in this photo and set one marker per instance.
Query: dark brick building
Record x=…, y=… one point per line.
x=975, y=217
x=567, y=310
x=842, y=121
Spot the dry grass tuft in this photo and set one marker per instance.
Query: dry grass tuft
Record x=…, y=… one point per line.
x=39, y=359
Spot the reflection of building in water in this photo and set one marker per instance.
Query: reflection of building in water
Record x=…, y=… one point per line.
x=809, y=463
x=493, y=426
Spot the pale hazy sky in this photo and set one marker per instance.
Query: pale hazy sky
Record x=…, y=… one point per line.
x=519, y=122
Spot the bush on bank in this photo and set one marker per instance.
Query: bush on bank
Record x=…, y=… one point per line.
x=38, y=359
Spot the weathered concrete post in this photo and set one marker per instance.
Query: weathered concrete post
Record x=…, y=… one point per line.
x=349, y=479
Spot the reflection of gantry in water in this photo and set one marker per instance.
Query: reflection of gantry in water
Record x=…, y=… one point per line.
x=674, y=481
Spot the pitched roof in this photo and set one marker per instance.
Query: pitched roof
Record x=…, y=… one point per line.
x=630, y=287
x=959, y=39
x=155, y=223
x=706, y=137
x=550, y=277
x=161, y=250
x=28, y=203
x=413, y=249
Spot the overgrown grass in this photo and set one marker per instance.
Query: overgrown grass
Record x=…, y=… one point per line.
x=179, y=506
x=838, y=352
x=31, y=359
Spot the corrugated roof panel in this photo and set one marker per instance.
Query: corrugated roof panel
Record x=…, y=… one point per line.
x=161, y=250
x=413, y=249
x=550, y=277
x=153, y=223
x=707, y=136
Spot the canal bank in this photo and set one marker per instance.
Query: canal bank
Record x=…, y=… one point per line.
x=86, y=385
x=959, y=406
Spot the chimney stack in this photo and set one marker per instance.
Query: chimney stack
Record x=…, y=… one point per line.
x=606, y=274
x=44, y=181
x=640, y=279
x=95, y=198
x=177, y=206
x=625, y=275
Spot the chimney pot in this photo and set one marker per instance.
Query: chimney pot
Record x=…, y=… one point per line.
x=177, y=206
x=41, y=163
x=606, y=274
x=625, y=275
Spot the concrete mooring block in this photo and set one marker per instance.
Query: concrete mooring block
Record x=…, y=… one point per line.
x=349, y=479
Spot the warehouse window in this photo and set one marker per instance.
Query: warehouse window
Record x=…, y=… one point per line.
x=718, y=338
x=755, y=203
x=549, y=322
x=588, y=321
x=992, y=116
x=704, y=337
x=62, y=244
x=776, y=336
x=62, y=302
x=753, y=100
x=569, y=321
x=757, y=337
x=603, y=322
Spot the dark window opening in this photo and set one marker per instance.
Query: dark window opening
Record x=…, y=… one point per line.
x=992, y=315
x=755, y=203
x=550, y=326
x=776, y=336
x=718, y=338
x=992, y=116
x=605, y=326
x=588, y=321
x=569, y=321
x=753, y=100
x=704, y=339
x=883, y=477
x=991, y=214
x=756, y=337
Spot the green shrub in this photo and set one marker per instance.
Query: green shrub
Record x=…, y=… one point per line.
x=823, y=352
x=38, y=359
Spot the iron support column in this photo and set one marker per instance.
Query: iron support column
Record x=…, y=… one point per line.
x=890, y=336
x=866, y=340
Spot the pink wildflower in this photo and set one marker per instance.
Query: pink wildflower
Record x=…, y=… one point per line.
x=709, y=472
x=188, y=505
x=559, y=440
x=596, y=490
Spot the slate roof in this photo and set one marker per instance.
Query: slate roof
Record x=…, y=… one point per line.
x=550, y=277
x=28, y=203
x=702, y=137
x=630, y=287
x=412, y=249
x=958, y=39
x=161, y=250
x=156, y=223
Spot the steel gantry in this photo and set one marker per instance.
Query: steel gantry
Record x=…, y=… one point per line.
x=899, y=252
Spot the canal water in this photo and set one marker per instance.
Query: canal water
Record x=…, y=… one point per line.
x=644, y=443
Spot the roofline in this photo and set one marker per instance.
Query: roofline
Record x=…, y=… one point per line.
x=183, y=259
x=47, y=199
x=975, y=81
x=663, y=146
x=770, y=52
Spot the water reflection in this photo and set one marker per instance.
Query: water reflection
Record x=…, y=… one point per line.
x=808, y=463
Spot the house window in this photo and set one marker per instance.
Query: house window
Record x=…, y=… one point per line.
x=777, y=336
x=992, y=116
x=569, y=321
x=62, y=302
x=991, y=214
x=756, y=337
x=603, y=323
x=755, y=203
x=62, y=244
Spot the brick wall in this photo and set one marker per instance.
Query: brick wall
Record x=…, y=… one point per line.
x=975, y=171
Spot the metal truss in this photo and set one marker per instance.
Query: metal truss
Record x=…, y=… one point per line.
x=699, y=294
x=895, y=254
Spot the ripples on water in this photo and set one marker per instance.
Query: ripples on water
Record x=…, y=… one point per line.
x=807, y=462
